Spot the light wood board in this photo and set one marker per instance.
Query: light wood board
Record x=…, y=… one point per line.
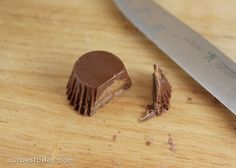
x=39, y=43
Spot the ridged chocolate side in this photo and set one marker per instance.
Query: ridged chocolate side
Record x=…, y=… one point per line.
x=81, y=96
x=85, y=99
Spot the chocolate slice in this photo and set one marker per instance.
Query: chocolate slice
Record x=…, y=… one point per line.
x=97, y=77
x=161, y=93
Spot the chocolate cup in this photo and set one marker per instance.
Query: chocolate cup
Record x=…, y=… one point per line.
x=97, y=77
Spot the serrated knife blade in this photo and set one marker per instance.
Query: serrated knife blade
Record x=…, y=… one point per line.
x=197, y=56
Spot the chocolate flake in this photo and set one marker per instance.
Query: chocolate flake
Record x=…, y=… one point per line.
x=148, y=143
x=189, y=100
x=171, y=143
x=161, y=93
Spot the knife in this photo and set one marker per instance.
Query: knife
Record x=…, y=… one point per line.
x=197, y=56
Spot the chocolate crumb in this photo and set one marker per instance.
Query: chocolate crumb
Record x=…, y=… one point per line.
x=59, y=148
x=161, y=93
x=171, y=143
x=114, y=138
x=189, y=100
x=148, y=143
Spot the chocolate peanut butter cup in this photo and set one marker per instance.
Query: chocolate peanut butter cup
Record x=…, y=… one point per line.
x=97, y=77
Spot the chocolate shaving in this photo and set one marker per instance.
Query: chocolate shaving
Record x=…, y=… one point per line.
x=161, y=93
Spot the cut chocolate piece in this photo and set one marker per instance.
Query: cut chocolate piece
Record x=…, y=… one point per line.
x=96, y=78
x=161, y=93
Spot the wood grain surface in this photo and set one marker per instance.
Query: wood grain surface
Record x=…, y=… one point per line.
x=39, y=43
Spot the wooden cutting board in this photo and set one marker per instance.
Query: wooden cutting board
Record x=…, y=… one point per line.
x=39, y=43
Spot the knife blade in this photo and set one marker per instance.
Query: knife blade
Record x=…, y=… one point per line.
x=198, y=57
